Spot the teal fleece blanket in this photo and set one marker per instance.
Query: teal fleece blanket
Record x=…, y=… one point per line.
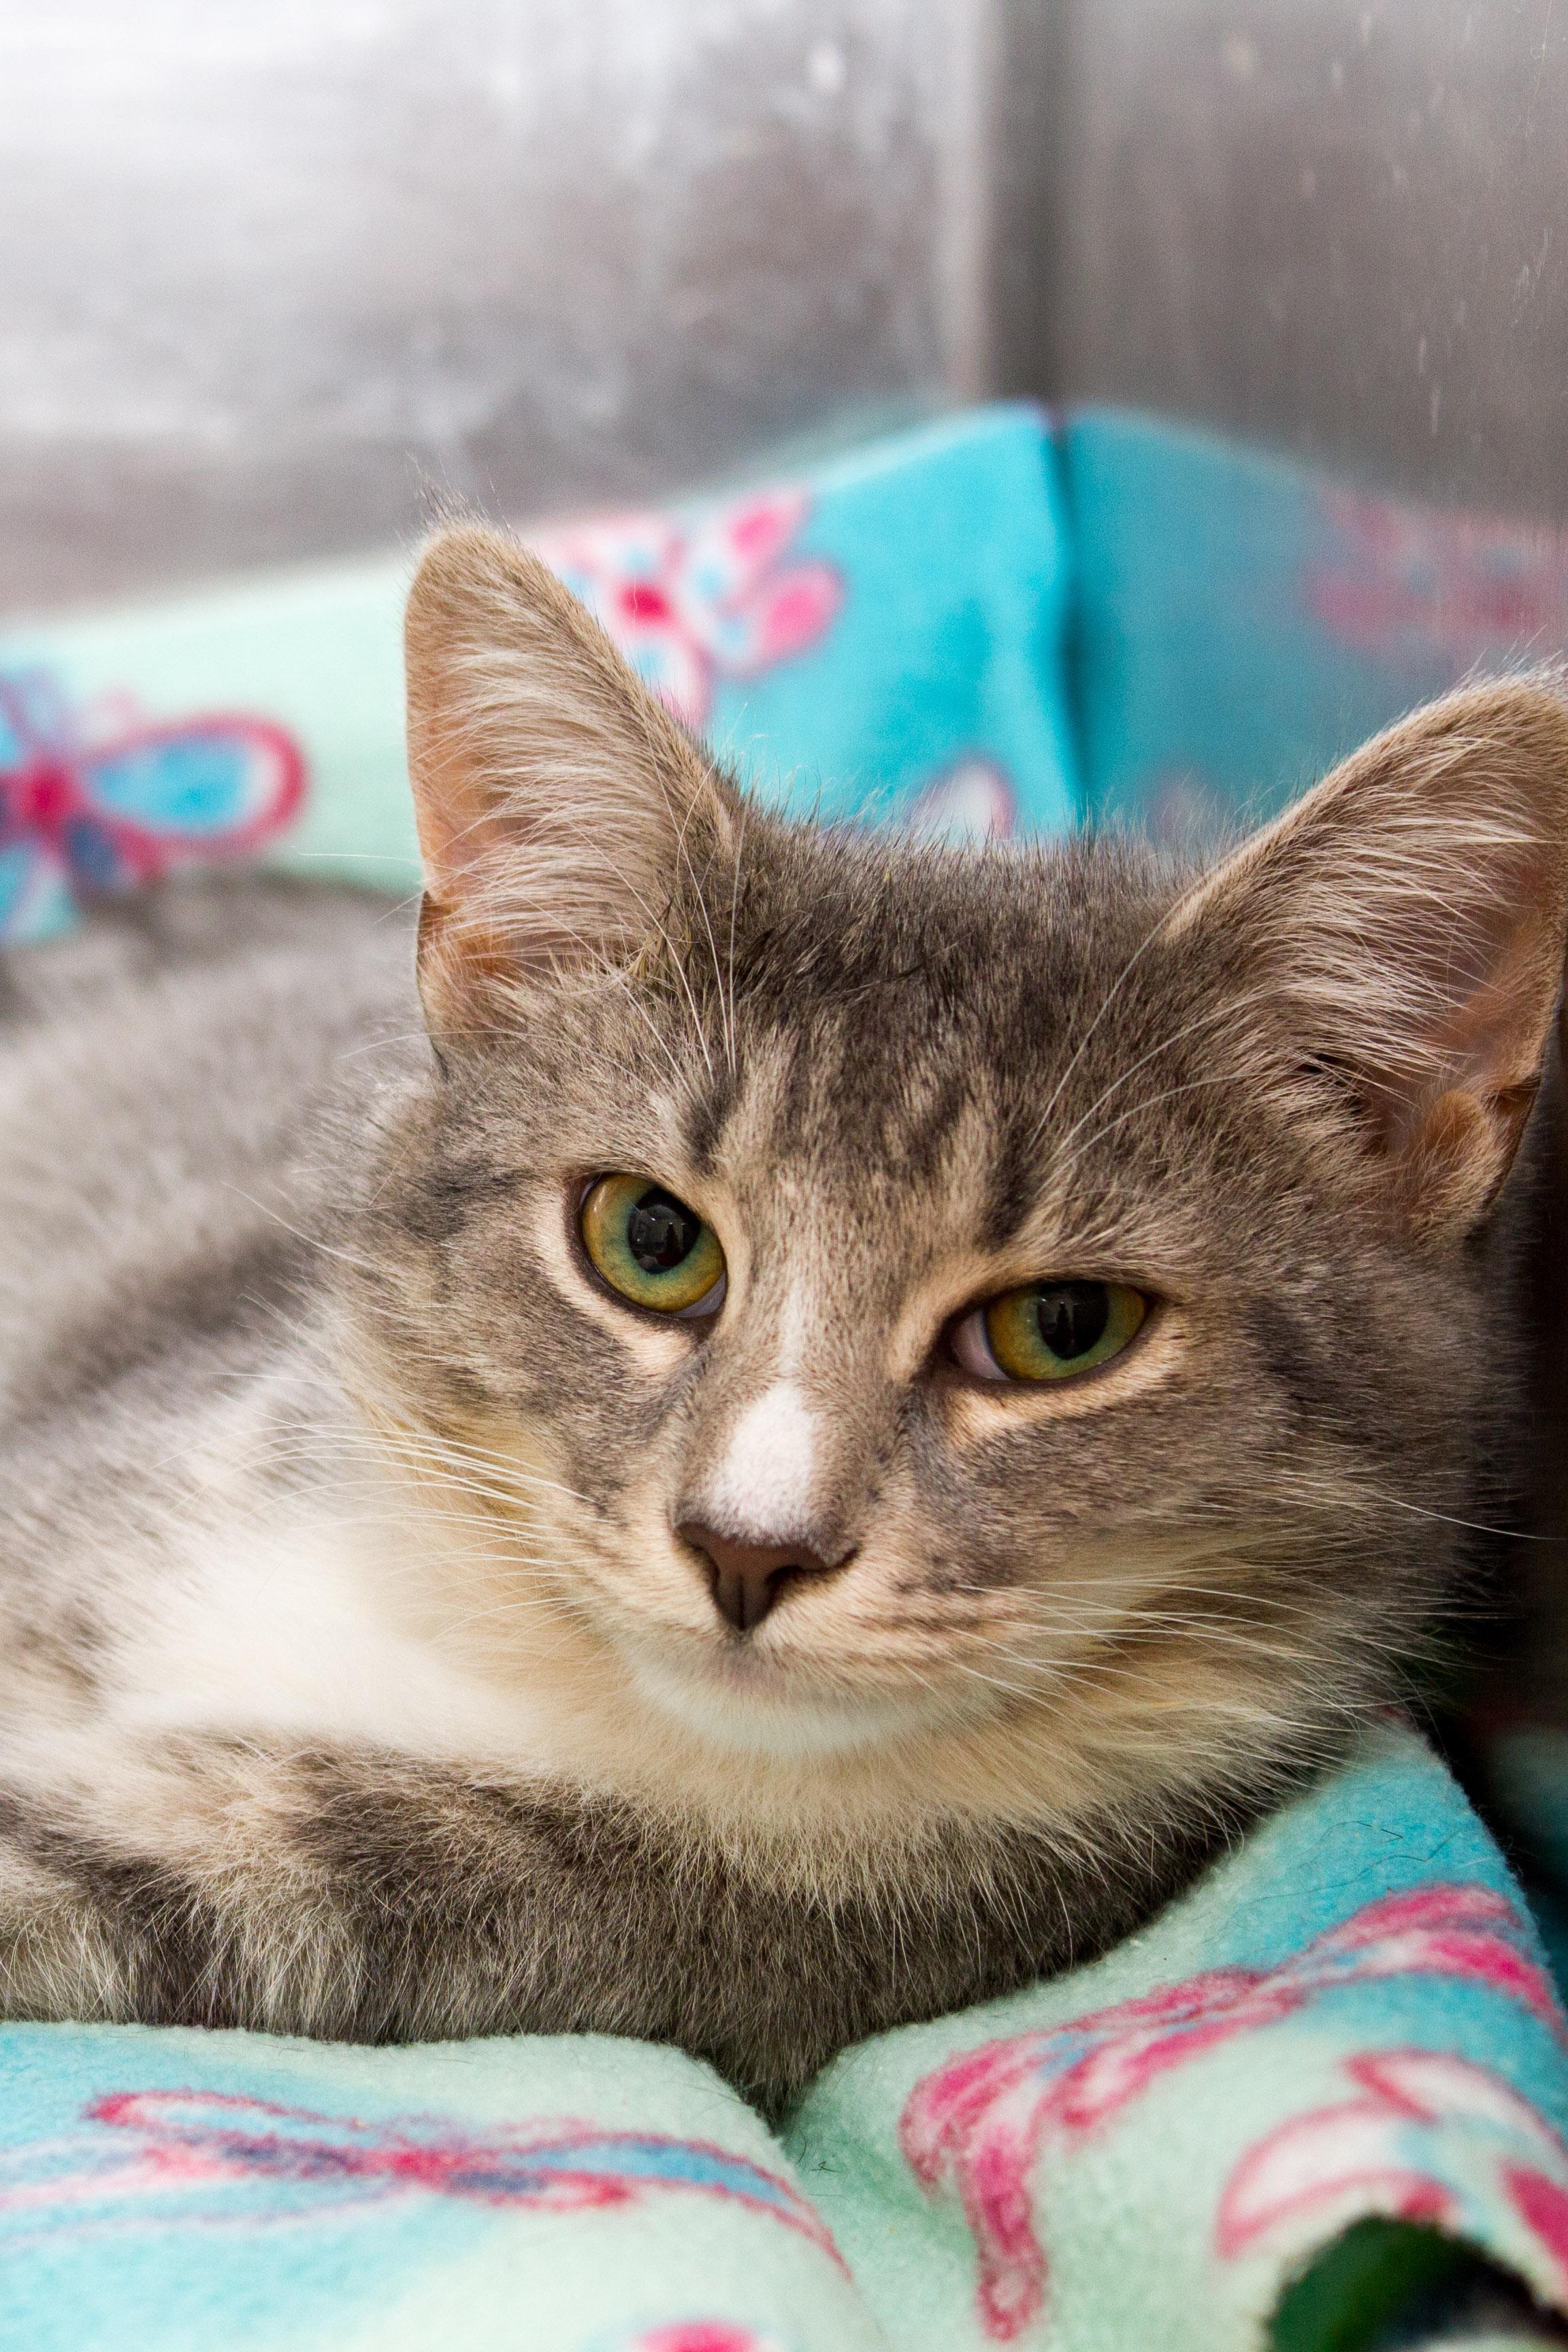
x=885, y=637
x=1270, y=2118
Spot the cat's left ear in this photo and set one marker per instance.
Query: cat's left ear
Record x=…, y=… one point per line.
x=1398, y=938
x=558, y=802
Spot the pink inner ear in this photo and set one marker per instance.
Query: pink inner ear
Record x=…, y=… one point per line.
x=1496, y=1037
x=456, y=834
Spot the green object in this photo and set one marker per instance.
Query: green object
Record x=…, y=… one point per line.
x=1360, y=2286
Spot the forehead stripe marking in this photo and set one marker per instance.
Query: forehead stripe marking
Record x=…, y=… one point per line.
x=763, y=1485
x=791, y=1344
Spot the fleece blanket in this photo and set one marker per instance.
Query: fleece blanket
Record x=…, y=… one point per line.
x=883, y=638
x=1301, y=2100
x=1239, y=623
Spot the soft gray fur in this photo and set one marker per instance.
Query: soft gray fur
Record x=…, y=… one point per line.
x=356, y=1678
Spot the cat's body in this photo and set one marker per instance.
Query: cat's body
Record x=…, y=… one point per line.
x=366, y=1667
x=243, y=1783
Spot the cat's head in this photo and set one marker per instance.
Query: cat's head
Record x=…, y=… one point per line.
x=1003, y=1324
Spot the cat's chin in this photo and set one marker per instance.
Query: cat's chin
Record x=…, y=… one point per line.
x=750, y=1703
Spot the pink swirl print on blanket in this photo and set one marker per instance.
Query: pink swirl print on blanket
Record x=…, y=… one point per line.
x=1407, y=584
x=690, y=600
x=96, y=798
x=980, y=2124
x=701, y=2335
x=208, y=2156
x=1429, y=2137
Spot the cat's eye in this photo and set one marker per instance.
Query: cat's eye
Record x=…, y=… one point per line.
x=651, y=1248
x=1048, y=1330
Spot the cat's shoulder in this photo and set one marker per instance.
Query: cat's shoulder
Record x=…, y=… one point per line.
x=165, y=1078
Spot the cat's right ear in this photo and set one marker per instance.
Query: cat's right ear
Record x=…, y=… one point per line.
x=558, y=803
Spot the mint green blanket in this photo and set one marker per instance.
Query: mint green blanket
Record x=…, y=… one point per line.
x=1268, y=2118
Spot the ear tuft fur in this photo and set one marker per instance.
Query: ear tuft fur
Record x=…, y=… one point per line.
x=1406, y=924
x=555, y=796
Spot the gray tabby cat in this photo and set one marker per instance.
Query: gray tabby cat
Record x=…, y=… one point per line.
x=800, y=1454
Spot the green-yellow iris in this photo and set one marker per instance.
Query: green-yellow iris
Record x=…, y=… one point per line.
x=650, y=1246
x=1054, y=1330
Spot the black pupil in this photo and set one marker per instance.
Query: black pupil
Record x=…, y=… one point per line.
x=1072, y=1317
x=661, y=1232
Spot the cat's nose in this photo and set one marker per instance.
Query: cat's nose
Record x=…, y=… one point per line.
x=747, y=1577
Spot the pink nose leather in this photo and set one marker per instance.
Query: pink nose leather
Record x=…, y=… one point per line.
x=746, y=1578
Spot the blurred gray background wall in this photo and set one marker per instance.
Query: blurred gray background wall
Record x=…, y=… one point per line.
x=1338, y=225
x=268, y=273
x=272, y=277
